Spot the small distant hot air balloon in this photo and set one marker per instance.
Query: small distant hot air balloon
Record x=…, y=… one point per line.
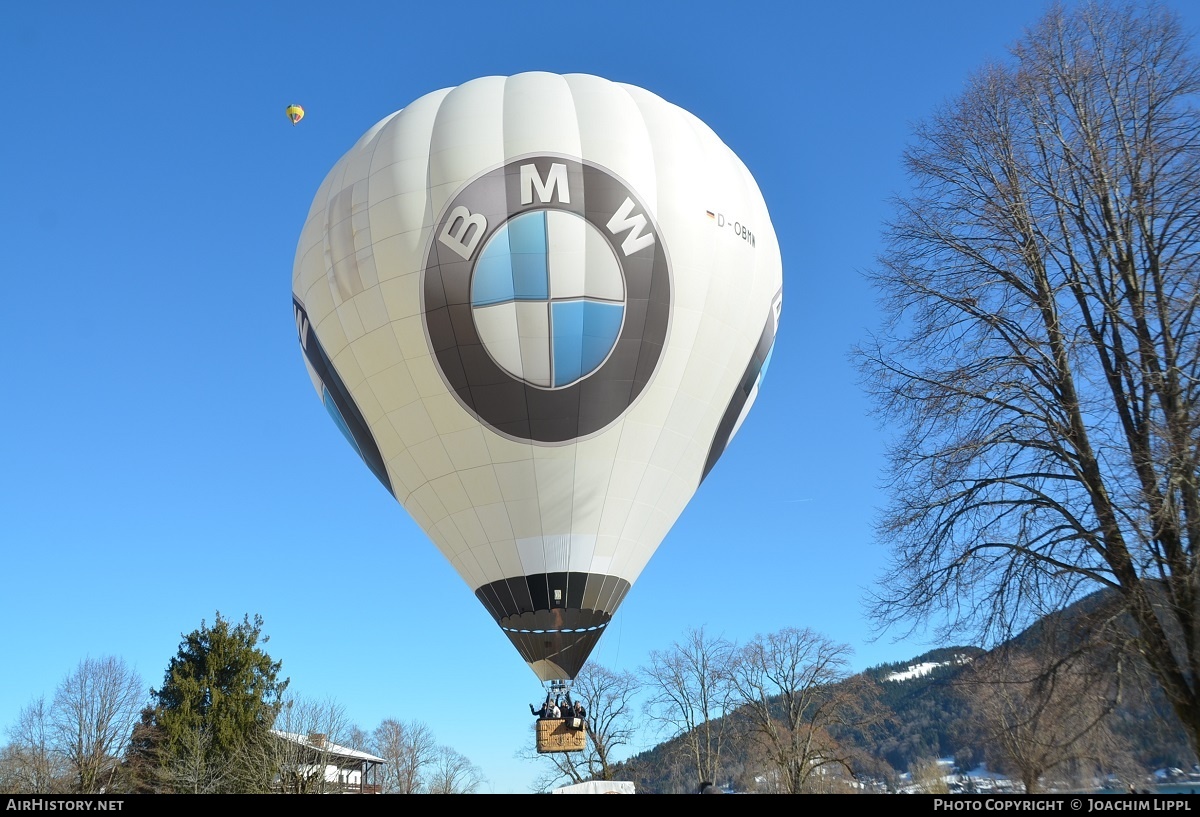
x=539, y=307
x=294, y=113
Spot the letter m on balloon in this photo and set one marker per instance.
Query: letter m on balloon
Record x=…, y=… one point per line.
x=556, y=179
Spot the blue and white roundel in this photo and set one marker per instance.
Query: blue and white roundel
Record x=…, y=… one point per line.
x=548, y=298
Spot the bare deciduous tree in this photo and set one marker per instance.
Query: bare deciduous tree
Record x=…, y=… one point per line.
x=95, y=708
x=690, y=694
x=928, y=776
x=1042, y=360
x=796, y=691
x=1036, y=719
x=1043, y=704
x=357, y=738
x=408, y=749
x=31, y=765
x=451, y=772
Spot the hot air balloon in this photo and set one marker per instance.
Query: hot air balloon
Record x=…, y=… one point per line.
x=294, y=113
x=539, y=307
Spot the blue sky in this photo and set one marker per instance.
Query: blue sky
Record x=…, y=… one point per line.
x=164, y=455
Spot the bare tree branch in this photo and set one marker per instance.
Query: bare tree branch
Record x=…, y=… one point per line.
x=690, y=692
x=1041, y=358
x=92, y=717
x=408, y=749
x=797, y=691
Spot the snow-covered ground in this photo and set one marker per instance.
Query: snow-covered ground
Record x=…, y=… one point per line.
x=917, y=670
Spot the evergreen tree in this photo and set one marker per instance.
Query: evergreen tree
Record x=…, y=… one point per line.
x=219, y=697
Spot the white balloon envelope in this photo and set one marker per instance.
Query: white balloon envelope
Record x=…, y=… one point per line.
x=539, y=307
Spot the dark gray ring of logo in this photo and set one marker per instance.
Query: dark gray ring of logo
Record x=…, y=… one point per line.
x=511, y=406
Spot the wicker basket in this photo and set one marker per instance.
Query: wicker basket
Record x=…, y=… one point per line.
x=558, y=735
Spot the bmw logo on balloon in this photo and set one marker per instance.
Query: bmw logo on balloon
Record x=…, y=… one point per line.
x=547, y=298
x=539, y=308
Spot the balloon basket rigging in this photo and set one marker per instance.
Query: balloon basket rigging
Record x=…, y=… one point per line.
x=560, y=734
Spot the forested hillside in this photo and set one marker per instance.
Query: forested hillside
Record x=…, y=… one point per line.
x=944, y=704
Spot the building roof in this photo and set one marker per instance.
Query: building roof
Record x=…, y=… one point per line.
x=319, y=743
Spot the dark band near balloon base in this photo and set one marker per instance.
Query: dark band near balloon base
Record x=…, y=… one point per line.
x=554, y=619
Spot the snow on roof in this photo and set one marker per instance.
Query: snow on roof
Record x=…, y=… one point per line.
x=327, y=746
x=597, y=787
